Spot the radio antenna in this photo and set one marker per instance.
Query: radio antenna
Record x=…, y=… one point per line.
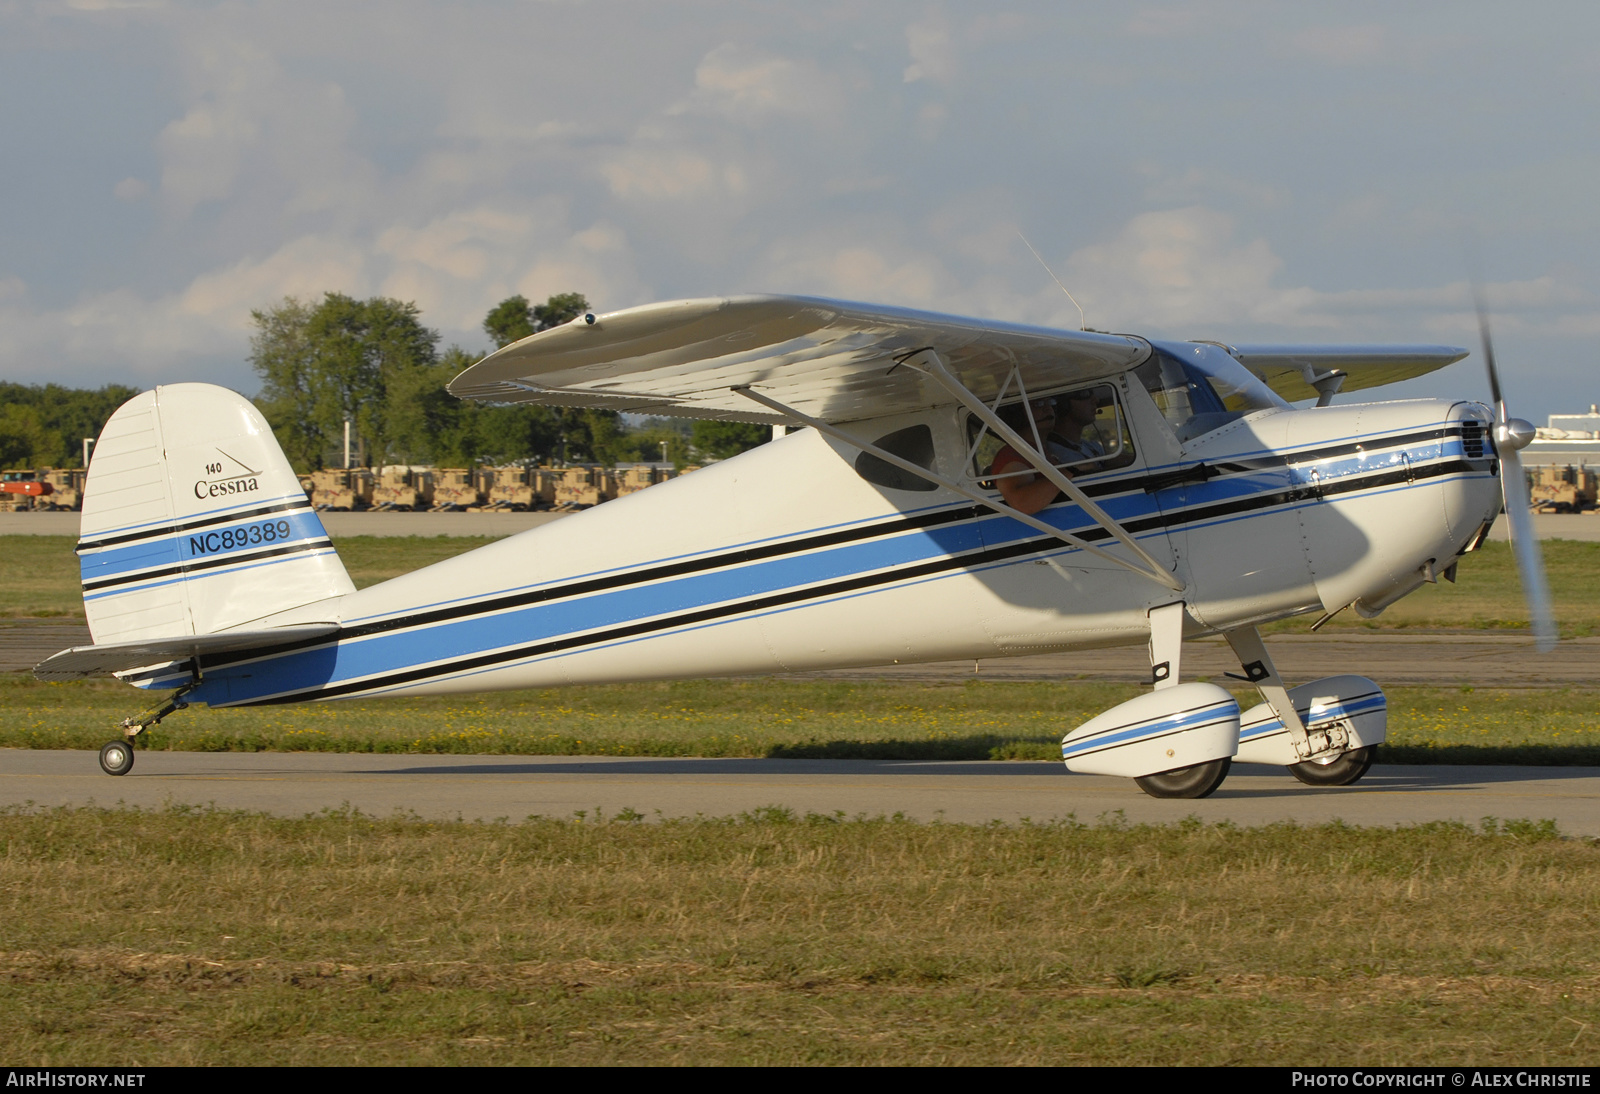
x=1082, y=324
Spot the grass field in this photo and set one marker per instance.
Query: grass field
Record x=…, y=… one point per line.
x=191, y=936
x=39, y=579
x=187, y=937
x=763, y=717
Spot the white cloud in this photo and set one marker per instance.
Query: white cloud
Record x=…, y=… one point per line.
x=458, y=266
x=667, y=173
x=748, y=84
x=252, y=127
x=304, y=267
x=1173, y=267
x=933, y=52
x=454, y=155
x=841, y=265
x=1186, y=272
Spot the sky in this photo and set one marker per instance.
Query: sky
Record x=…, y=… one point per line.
x=1240, y=171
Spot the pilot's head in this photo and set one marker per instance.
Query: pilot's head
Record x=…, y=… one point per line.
x=1042, y=412
x=1081, y=406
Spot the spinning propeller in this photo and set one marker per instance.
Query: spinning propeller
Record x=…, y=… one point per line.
x=1511, y=435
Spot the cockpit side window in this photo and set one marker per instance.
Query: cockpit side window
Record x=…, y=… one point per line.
x=1086, y=431
x=1203, y=389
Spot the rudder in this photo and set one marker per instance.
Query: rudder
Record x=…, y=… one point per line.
x=194, y=522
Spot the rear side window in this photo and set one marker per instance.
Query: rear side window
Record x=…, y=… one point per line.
x=914, y=444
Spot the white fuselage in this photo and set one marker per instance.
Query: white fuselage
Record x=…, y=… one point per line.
x=785, y=559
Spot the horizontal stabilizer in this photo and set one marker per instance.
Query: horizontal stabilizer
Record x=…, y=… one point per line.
x=114, y=657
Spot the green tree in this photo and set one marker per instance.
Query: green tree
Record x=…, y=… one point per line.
x=513, y=319
x=572, y=434
x=44, y=425
x=509, y=321
x=720, y=440
x=24, y=439
x=361, y=360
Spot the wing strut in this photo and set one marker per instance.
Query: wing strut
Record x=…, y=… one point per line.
x=1155, y=573
x=929, y=364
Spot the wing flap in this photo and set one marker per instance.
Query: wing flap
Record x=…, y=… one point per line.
x=832, y=359
x=113, y=657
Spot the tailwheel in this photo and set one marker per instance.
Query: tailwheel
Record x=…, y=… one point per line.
x=1198, y=781
x=1341, y=770
x=116, y=757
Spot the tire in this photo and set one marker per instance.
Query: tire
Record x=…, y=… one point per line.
x=1340, y=771
x=1198, y=781
x=116, y=757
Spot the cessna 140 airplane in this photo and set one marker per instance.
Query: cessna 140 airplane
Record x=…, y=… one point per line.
x=1189, y=498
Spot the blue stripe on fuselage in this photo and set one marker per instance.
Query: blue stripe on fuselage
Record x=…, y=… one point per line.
x=375, y=655
x=458, y=638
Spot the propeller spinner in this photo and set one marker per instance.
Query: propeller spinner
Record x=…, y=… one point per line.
x=1511, y=435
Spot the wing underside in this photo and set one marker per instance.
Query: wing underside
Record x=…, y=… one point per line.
x=839, y=361
x=1292, y=371
x=833, y=360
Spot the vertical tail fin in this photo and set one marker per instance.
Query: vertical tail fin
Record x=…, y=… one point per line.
x=193, y=521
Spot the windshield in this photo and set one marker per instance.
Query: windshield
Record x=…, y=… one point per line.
x=1201, y=387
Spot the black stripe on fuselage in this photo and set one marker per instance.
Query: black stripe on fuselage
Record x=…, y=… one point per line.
x=787, y=598
x=1093, y=533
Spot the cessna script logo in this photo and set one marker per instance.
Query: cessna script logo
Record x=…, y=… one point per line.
x=222, y=479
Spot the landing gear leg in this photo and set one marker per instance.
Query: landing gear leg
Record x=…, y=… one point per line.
x=116, y=757
x=1324, y=751
x=1166, y=651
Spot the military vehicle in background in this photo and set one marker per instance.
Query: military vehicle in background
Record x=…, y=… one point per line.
x=521, y=489
x=21, y=490
x=66, y=488
x=338, y=488
x=1557, y=489
x=403, y=488
x=633, y=477
x=581, y=487
x=42, y=488
x=455, y=489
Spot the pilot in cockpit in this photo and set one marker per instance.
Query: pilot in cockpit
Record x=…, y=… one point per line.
x=1028, y=493
x=1081, y=409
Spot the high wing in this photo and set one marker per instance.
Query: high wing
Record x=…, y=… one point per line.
x=1292, y=371
x=833, y=360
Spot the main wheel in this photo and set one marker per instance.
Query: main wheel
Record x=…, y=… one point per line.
x=1342, y=770
x=1187, y=782
x=116, y=758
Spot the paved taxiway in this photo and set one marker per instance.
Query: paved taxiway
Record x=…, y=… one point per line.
x=515, y=787
x=487, y=787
